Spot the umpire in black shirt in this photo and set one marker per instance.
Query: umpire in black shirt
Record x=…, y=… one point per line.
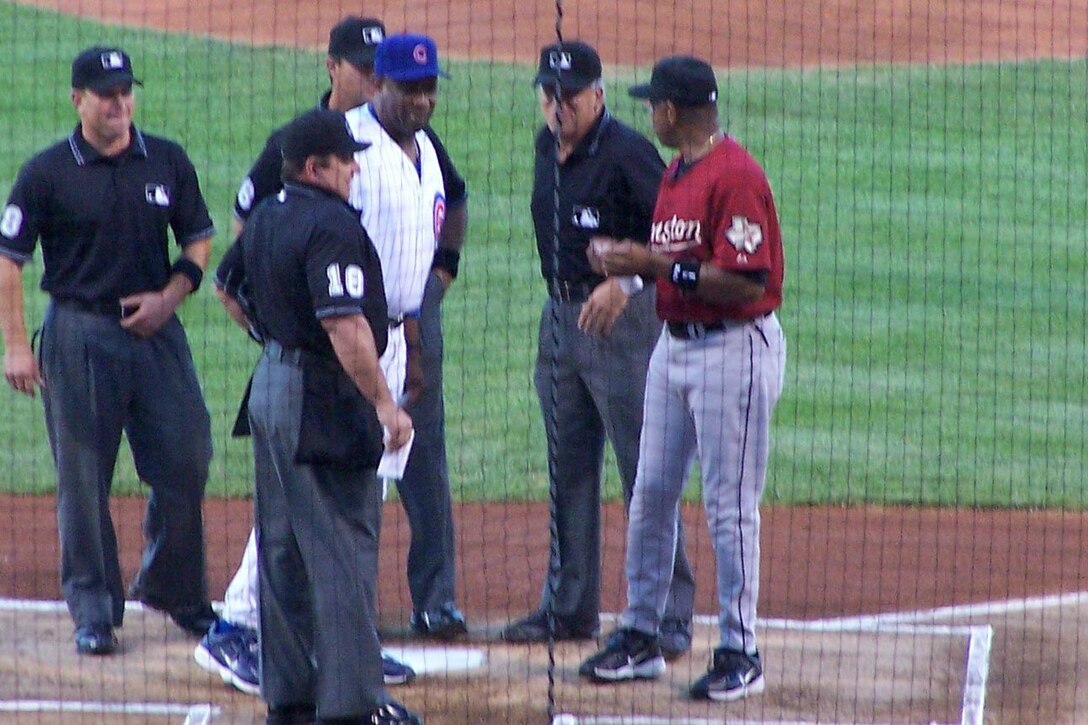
x=113, y=355
x=596, y=334
x=307, y=278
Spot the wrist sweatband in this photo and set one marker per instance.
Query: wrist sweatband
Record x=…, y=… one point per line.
x=190, y=269
x=685, y=275
x=447, y=259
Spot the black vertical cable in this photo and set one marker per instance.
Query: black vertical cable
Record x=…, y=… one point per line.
x=552, y=423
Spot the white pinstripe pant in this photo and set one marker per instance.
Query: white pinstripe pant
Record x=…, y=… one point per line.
x=714, y=397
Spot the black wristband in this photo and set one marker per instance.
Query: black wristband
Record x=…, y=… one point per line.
x=685, y=275
x=447, y=259
x=190, y=269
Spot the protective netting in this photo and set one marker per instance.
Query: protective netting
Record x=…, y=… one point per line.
x=922, y=521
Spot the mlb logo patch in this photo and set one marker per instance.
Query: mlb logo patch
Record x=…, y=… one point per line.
x=586, y=217
x=113, y=60
x=559, y=61
x=372, y=35
x=157, y=195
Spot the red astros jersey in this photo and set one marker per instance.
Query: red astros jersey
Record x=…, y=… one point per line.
x=718, y=210
x=402, y=206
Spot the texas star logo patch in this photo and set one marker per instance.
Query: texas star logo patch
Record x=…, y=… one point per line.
x=157, y=195
x=744, y=235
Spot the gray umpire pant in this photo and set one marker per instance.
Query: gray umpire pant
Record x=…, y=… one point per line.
x=317, y=558
x=100, y=381
x=593, y=388
x=425, y=488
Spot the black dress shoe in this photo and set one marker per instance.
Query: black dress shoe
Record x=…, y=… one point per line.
x=534, y=628
x=445, y=623
x=195, y=620
x=95, y=639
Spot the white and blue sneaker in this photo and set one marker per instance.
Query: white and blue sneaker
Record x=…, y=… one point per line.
x=230, y=651
x=732, y=675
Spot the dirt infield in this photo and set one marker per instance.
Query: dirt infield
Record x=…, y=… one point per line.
x=818, y=563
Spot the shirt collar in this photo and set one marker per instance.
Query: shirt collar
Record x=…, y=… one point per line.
x=591, y=142
x=85, y=154
x=314, y=192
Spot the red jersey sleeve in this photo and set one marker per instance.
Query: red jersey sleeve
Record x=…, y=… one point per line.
x=743, y=226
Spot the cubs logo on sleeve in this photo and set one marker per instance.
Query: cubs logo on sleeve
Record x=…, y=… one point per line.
x=439, y=215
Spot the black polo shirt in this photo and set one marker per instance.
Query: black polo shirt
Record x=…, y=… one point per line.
x=607, y=186
x=264, y=178
x=103, y=220
x=302, y=257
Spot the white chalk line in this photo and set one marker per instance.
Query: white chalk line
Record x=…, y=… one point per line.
x=161, y=709
x=918, y=622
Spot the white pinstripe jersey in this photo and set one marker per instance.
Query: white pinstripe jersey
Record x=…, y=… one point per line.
x=402, y=208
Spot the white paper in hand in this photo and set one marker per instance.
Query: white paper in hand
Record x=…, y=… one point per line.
x=393, y=463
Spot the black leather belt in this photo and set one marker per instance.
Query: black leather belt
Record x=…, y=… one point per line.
x=396, y=321
x=563, y=290
x=106, y=308
x=697, y=330
x=288, y=355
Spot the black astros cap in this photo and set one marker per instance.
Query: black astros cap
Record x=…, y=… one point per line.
x=684, y=80
x=319, y=132
x=356, y=40
x=571, y=65
x=101, y=68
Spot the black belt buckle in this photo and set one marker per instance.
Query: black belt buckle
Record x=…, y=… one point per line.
x=695, y=330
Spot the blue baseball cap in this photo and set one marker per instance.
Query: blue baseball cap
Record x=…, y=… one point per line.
x=406, y=58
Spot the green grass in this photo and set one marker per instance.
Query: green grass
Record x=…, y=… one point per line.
x=934, y=224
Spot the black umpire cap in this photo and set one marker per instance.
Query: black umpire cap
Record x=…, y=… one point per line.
x=571, y=65
x=319, y=132
x=101, y=68
x=356, y=40
x=684, y=80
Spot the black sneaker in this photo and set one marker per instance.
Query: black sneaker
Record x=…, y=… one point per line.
x=732, y=675
x=195, y=620
x=675, y=638
x=629, y=654
x=395, y=672
x=445, y=623
x=95, y=639
x=393, y=713
x=534, y=628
